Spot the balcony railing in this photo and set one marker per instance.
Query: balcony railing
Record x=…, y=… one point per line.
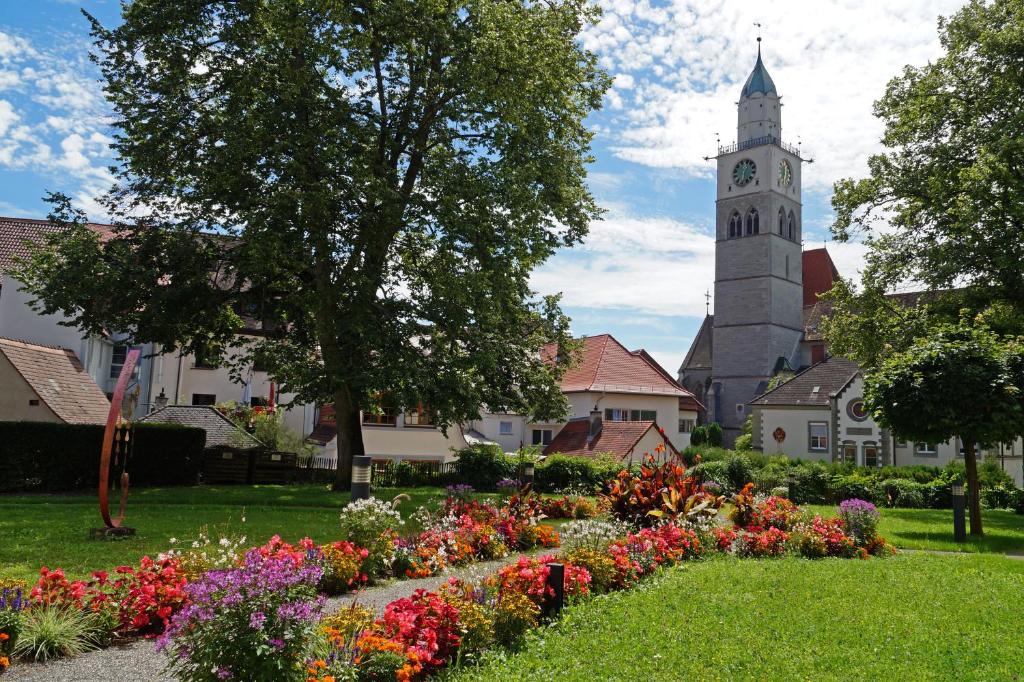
x=757, y=142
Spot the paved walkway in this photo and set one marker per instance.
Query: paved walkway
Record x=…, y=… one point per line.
x=139, y=660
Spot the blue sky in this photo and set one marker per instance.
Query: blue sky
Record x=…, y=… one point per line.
x=678, y=67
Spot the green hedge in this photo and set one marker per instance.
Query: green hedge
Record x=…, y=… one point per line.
x=564, y=472
x=45, y=456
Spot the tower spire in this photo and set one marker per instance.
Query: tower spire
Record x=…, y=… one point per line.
x=759, y=27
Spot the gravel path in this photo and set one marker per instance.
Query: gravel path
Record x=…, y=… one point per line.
x=140, y=661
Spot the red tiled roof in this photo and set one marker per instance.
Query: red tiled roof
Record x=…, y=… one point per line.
x=607, y=365
x=60, y=381
x=820, y=274
x=617, y=438
x=16, y=234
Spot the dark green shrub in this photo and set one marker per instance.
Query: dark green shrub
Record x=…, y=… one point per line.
x=47, y=456
x=772, y=475
x=712, y=471
x=1001, y=497
x=901, y=492
x=710, y=454
x=915, y=472
x=811, y=483
x=482, y=466
x=853, y=486
x=714, y=435
x=991, y=475
x=689, y=455
x=699, y=435
x=739, y=472
x=559, y=472
x=938, y=495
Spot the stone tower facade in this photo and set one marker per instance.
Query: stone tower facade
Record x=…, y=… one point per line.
x=757, y=324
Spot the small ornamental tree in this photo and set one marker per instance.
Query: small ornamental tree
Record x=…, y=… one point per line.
x=959, y=381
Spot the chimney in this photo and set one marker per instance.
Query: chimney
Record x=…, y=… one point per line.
x=595, y=425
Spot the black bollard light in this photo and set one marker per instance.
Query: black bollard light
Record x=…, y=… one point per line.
x=556, y=581
x=790, y=486
x=959, y=515
x=361, y=477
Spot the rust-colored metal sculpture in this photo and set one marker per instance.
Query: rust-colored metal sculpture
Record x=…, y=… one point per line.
x=117, y=441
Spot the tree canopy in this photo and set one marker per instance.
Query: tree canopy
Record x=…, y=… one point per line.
x=961, y=381
x=370, y=182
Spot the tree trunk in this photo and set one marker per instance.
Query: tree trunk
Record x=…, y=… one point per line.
x=973, y=489
x=350, y=438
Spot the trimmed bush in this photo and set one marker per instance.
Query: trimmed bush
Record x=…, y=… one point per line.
x=47, y=456
x=699, y=435
x=739, y=472
x=812, y=483
x=561, y=472
x=902, y=492
x=712, y=471
x=853, y=486
x=482, y=466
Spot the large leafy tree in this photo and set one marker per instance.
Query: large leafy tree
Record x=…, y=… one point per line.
x=961, y=381
x=941, y=211
x=372, y=180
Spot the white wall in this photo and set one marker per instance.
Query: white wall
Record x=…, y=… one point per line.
x=489, y=426
x=794, y=422
x=666, y=407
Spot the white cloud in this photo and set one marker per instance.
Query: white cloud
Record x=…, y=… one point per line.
x=679, y=68
x=8, y=116
x=648, y=266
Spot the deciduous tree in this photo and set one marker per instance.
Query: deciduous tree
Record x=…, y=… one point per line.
x=372, y=180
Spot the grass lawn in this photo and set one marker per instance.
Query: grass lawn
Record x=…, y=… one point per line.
x=933, y=529
x=912, y=617
x=52, y=530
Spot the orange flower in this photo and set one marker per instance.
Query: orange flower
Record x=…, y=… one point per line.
x=4, y=636
x=4, y=662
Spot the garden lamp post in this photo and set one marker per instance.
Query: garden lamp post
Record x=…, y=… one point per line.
x=790, y=486
x=528, y=471
x=361, y=477
x=959, y=517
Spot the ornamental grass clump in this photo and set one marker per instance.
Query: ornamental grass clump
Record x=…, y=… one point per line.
x=49, y=632
x=591, y=534
x=860, y=518
x=254, y=622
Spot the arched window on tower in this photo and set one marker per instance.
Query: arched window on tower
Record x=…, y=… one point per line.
x=782, y=222
x=792, y=225
x=753, y=226
x=735, y=225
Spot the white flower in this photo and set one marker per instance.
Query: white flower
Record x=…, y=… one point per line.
x=173, y=541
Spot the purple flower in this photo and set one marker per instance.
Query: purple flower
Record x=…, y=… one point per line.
x=224, y=673
x=277, y=643
x=257, y=620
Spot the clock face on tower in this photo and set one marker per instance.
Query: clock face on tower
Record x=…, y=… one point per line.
x=744, y=172
x=785, y=173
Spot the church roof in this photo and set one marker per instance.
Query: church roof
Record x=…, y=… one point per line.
x=699, y=356
x=758, y=80
x=814, y=387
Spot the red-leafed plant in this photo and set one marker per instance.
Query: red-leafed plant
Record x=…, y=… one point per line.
x=659, y=492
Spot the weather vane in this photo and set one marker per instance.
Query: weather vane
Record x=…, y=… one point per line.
x=707, y=301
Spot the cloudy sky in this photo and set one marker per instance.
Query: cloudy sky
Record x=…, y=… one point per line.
x=678, y=68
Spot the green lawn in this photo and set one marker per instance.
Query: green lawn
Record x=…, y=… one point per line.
x=933, y=529
x=52, y=530
x=912, y=617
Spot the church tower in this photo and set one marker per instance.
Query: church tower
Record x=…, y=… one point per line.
x=757, y=324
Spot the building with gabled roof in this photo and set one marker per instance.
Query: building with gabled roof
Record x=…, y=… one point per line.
x=221, y=432
x=626, y=440
x=47, y=383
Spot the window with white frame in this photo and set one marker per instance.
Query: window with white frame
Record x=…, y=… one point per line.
x=817, y=436
x=686, y=425
x=542, y=436
x=926, y=449
x=616, y=415
x=505, y=428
